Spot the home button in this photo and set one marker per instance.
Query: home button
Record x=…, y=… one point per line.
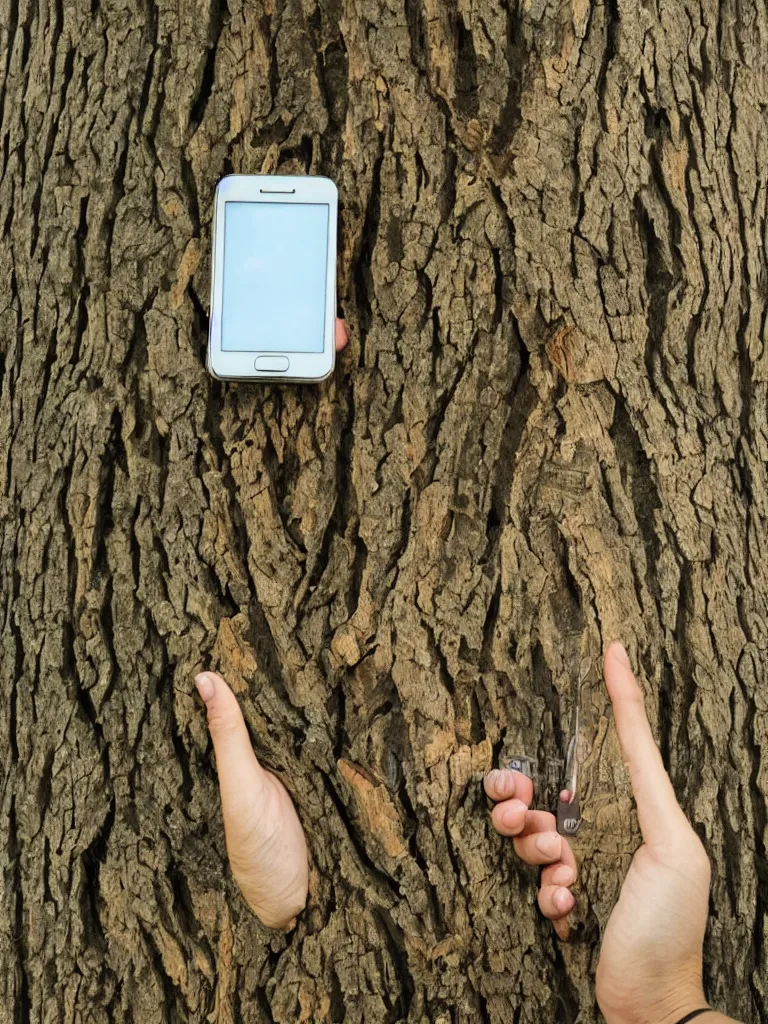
x=271, y=364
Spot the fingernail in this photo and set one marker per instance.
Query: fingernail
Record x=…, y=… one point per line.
x=564, y=875
x=502, y=781
x=549, y=845
x=205, y=686
x=621, y=655
x=511, y=816
x=563, y=900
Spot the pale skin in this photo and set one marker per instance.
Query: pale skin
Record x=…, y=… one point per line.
x=341, y=335
x=650, y=967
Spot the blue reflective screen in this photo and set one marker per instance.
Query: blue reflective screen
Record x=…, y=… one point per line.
x=275, y=265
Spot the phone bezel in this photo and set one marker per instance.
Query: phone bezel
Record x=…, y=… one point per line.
x=272, y=188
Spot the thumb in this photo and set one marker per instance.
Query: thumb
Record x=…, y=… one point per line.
x=241, y=777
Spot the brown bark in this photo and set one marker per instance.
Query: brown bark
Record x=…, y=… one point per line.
x=549, y=431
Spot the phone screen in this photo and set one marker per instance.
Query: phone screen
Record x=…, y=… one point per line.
x=275, y=275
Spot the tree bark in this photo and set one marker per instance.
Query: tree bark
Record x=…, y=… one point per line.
x=549, y=431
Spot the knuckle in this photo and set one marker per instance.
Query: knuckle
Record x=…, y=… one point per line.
x=522, y=850
x=282, y=913
x=634, y=697
x=489, y=783
x=221, y=724
x=296, y=905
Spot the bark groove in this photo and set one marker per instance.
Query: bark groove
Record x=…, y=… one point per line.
x=549, y=431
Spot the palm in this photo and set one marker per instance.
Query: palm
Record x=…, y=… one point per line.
x=266, y=848
x=655, y=933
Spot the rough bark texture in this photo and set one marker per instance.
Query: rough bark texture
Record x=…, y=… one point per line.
x=549, y=431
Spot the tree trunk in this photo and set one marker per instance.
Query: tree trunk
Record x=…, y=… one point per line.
x=549, y=431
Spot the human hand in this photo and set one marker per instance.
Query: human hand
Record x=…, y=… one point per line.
x=536, y=841
x=650, y=967
x=265, y=841
x=651, y=959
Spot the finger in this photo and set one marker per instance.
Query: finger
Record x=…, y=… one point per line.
x=562, y=928
x=242, y=780
x=561, y=873
x=265, y=841
x=545, y=846
x=539, y=821
x=342, y=337
x=508, y=817
x=552, y=849
x=539, y=847
x=545, y=823
x=555, y=902
x=658, y=811
x=504, y=783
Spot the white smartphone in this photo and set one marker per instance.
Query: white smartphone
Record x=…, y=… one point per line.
x=273, y=278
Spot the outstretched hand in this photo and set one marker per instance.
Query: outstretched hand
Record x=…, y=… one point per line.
x=650, y=966
x=265, y=840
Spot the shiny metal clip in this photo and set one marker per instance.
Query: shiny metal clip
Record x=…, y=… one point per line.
x=561, y=782
x=568, y=811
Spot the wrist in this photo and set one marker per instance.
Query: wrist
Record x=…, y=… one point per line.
x=682, y=1005
x=702, y=1013
x=672, y=1008
x=678, y=1007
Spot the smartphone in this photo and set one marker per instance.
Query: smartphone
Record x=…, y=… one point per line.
x=273, y=278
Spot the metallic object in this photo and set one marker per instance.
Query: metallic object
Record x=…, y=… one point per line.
x=527, y=766
x=561, y=779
